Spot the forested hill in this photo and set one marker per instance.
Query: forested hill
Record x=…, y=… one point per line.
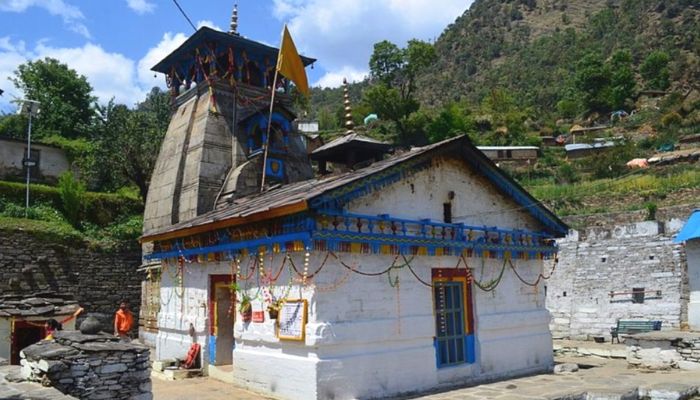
x=531, y=47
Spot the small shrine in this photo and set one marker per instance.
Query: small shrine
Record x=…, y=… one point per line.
x=350, y=150
x=393, y=274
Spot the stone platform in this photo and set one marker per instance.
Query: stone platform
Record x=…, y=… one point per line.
x=661, y=350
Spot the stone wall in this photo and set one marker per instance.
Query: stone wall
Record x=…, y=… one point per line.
x=662, y=350
x=97, y=280
x=597, y=261
x=90, y=366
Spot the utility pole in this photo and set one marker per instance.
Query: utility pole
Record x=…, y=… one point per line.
x=30, y=108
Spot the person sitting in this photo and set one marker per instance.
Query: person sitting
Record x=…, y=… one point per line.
x=51, y=325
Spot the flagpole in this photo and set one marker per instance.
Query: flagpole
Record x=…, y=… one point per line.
x=269, y=117
x=269, y=125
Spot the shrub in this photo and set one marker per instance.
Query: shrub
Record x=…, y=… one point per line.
x=651, y=211
x=671, y=119
x=72, y=192
x=99, y=208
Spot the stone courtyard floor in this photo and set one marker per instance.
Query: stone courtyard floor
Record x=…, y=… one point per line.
x=599, y=378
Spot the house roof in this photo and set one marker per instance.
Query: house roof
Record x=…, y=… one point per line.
x=492, y=148
x=691, y=229
x=223, y=39
x=349, y=141
x=296, y=197
x=42, y=304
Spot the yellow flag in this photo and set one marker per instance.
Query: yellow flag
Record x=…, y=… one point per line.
x=289, y=63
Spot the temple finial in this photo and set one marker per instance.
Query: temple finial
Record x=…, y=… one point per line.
x=349, y=125
x=233, y=30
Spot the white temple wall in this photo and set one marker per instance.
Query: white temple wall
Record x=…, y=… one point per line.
x=367, y=339
x=422, y=195
x=180, y=308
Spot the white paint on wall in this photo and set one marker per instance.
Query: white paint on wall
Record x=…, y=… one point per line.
x=366, y=338
x=692, y=249
x=52, y=161
x=5, y=338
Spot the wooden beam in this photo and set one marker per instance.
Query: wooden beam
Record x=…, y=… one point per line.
x=225, y=223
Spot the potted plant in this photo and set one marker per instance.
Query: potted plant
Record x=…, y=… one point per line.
x=245, y=307
x=274, y=308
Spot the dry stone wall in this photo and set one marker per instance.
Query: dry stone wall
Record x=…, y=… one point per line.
x=97, y=280
x=597, y=262
x=90, y=367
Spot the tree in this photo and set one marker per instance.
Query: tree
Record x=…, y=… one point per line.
x=128, y=141
x=395, y=71
x=622, y=79
x=66, y=97
x=451, y=121
x=654, y=70
x=592, y=79
x=391, y=105
x=386, y=60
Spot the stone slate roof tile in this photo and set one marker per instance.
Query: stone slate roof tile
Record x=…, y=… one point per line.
x=45, y=304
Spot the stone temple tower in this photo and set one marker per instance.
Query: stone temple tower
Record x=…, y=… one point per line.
x=221, y=83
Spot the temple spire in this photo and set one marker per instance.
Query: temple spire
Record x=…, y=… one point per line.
x=348, y=109
x=233, y=30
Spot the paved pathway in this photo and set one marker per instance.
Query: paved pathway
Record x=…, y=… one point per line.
x=25, y=390
x=606, y=378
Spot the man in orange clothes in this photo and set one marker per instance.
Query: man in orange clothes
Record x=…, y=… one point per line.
x=123, y=321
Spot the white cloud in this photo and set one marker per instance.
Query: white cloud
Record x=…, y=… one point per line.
x=341, y=33
x=141, y=6
x=335, y=78
x=110, y=74
x=71, y=15
x=169, y=42
x=209, y=24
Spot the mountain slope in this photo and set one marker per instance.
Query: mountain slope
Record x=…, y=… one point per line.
x=531, y=46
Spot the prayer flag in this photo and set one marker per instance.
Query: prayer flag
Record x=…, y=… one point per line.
x=289, y=63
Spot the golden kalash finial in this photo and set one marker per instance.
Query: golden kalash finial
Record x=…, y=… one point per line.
x=233, y=30
x=349, y=125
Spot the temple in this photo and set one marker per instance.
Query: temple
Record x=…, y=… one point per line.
x=379, y=274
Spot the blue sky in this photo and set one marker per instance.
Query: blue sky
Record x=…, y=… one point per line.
x=114, y=43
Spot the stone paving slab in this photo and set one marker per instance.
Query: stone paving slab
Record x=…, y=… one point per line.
x=610, y=379
x=25, y=390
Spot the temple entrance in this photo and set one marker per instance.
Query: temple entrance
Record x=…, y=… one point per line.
x=223, y=313
x=24, y=335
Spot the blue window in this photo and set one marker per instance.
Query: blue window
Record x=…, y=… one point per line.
x=453, y=344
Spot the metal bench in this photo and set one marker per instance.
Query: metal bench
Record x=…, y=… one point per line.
x=626, y=326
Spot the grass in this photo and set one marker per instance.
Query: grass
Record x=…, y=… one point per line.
x=625, y=193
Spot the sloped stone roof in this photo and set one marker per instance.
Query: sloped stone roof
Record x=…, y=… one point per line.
x=40, y=304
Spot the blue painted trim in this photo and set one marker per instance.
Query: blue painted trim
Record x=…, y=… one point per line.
x=470, y=348
x=405, y=242
x=250, y=245
x=212, y=349
x=428, y=222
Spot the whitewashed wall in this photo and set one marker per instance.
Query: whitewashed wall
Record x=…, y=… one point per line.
x=5, y=339
x=597, y=261
x=180, y=308
x=692, y=248
x=365, y=338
